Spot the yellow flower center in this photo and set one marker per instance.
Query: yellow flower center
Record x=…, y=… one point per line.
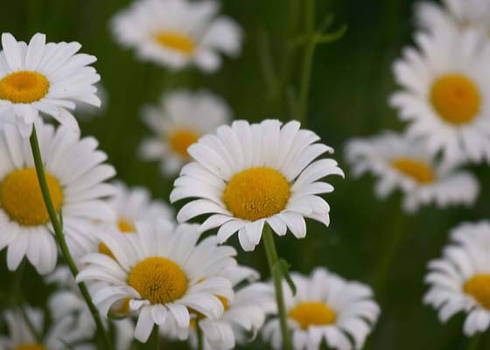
x=22, y=200
x=478, y=287
x=181, y=42
x=456, y=98
x=256, y=193
x=417, y=170
x=158, y=280
x=125, y=226
x=180, y=140
x=123, y=308
x=308, y=314
x=30, y=347
x=23, y=87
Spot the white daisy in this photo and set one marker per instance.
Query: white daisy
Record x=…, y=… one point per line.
x=247, y=175
x=164, y=273
x=75, y=176
x=60, y=332
x=68, y=302
x=402, y=163
x=463, y=13
x=460, y=280
x=327, y=309
x=446, y=93
x=43, y=77
x=178, y=33
x=243, y=317
x=178, y=122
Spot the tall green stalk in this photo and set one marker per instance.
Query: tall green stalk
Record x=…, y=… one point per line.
x=473, y=343
x=273, y=261
x=155, y=338
x=200, y=337
x=60, y=237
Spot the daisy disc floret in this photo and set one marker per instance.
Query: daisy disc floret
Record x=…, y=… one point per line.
x=178, y=33
x=180, y=119
x=247, y=175
x=44, y=78
x=76, y=178
x=326, y=309
x=399, y=162
x=460, y=280
x=163, y=273
x=446, y=93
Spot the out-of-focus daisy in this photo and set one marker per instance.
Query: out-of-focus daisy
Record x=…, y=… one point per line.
x=473, y=14
x=179, y=121
x=164, y=273
x=402, y=163
x=75, y=176
x=47, y=78
x=460, y=280
x=178, y=33
x=57, y=337
x=67, y=302
x=327, y=309
x=248, y=175
x=243, y=317
x=446, y=93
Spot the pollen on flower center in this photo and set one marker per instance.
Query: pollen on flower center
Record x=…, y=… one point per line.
x=456, y=98
x=478, y=287
x=158, y=280
x=180, y=140
x=176, y=41
x=23, y=87
x=30, y=347
x=416, y=169
x=22, y=200
x=308, y=314
x=257, y=193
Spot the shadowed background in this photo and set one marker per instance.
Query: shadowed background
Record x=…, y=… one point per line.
x=350, y=84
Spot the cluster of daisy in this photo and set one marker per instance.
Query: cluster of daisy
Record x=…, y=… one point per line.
x=444, y=100
x=131, y=267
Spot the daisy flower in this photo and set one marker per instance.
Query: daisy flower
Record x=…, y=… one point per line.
x=75, y=177
x=244, y=315
x=40, y=77
x=403, y=163
x=178, y=33
x=248, y=175
x=446, y=93
x=463, y=13
x=327, y=309
x=178, y=122
x=58, y=334
x=163, y=273
x=460, y=280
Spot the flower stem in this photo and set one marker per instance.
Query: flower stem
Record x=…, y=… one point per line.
x=200, y=337
x=474, y=342
x=60, y=237
x=307, y=60
x=273, y=260
x=155, y=338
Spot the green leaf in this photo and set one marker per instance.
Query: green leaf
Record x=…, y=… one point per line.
x=331, y=37
x=282, y=266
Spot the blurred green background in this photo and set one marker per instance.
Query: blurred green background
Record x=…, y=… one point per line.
x=350, y=84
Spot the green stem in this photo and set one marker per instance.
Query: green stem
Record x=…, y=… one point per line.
x=273, y=259
x=60, y=237
x=200, y=337
x=155, y=338
x=474, y=342
x=309, y=53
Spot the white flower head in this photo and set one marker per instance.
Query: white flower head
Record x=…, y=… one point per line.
x=326, y=308
x=243, y=317
x=178, y=33
x=247, y=175
x=445, y=94
x=46, y=78
x=76, y=177
x=163, y=273
x=459, y=281
x=400, y=162
x=62, y=331
x=180, y=119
